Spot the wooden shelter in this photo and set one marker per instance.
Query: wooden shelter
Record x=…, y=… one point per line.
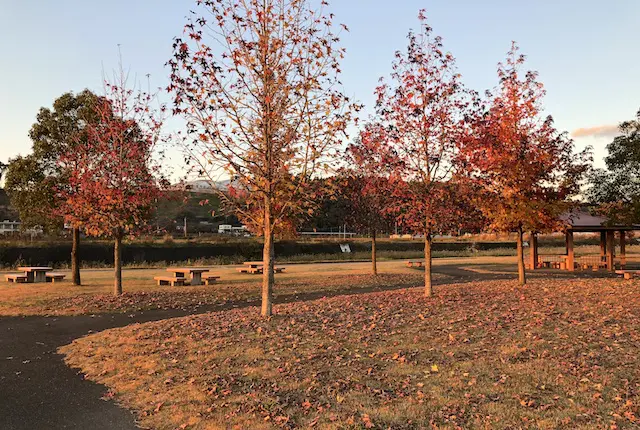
x=581, y=221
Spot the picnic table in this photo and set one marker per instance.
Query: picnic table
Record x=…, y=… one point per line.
x=35, y=274
x=195, y=273
x=415, y=263
x=256, y=267
x=628, y=274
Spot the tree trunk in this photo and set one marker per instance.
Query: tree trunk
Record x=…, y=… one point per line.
x=267, y=264
x=428, y=289
x=117, y=259
x=521, y=275
x=75, y=257
x=374, y=256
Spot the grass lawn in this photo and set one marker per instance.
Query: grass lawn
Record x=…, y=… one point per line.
x=141, y=292
x=560, y=353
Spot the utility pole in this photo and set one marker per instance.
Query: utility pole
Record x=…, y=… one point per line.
x=185, y=227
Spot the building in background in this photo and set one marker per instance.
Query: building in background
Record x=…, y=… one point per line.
x=233, y=231
x=9, y=227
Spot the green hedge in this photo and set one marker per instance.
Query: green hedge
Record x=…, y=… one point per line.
x=250, y=250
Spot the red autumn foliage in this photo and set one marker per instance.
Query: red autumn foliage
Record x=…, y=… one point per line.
x=367, y=183
x=527, y=168
x=424, y=109
x=112, y=185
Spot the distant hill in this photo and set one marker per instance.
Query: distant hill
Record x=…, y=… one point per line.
x=202, y=211
x=201, y=186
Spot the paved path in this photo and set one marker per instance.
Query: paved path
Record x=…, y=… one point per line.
x=38, y=391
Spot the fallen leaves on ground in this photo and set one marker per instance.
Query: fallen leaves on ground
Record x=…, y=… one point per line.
x=555, y=354
x=193, y=298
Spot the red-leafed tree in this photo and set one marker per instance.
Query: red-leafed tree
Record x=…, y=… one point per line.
x=424, y=107
x=112, y=185
x=368, y=183
x=257, y=83
x=459, y=210
x=528, y=169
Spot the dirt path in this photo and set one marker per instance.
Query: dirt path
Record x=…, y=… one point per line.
x=38, y=391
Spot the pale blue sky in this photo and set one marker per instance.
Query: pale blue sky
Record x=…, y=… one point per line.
x=585, y=50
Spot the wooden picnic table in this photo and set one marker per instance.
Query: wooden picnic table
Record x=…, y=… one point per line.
x=415, y=263
x=255, y=267
x=195, y=273
x=254, y=264
x=628, y=274
x=36, y=273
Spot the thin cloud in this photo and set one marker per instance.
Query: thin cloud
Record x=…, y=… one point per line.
x=599, y=131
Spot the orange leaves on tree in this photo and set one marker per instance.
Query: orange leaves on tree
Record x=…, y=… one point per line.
x=265, y=100
x=527, y=168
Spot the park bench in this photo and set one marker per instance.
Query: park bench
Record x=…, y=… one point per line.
x=628, y=274
x=415, y=263
x=16, y=278
x=252, y=270
x=169, y=280
x=54, y=277
x=210, y=279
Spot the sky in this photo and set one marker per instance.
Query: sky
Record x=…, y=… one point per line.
x=584, y=50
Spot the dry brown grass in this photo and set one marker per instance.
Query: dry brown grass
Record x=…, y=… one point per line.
x=141, y=292
x=557, y=354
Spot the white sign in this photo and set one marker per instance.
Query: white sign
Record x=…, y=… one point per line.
x=345, y=248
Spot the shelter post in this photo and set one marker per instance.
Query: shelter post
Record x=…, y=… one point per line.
x=533, y=251
x=603, y=246
x=610, y=248
x=623, y=251
x=570, y=254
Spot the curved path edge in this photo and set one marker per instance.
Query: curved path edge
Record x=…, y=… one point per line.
x=38, y=391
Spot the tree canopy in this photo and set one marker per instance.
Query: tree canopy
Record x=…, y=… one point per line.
x=423, y=107
x=617, y=189
x=527, y=168
x=258, y=84
x=33, y=181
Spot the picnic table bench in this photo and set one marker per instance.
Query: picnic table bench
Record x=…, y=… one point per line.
x=628, y=274
x=211, y=279
x=54, y=277
x=35, y=273
x=415, y=263
x=255, y=267
x=194, y=272
x=170, y=280
x=31, y=275
x=179, y=278
x=16, y=277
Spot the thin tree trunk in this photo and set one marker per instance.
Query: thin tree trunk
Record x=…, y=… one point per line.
x=267, y=264
x=374, y=256
x=117, y=259
x=521, y=274
x=428, y=289
x=75, y=257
